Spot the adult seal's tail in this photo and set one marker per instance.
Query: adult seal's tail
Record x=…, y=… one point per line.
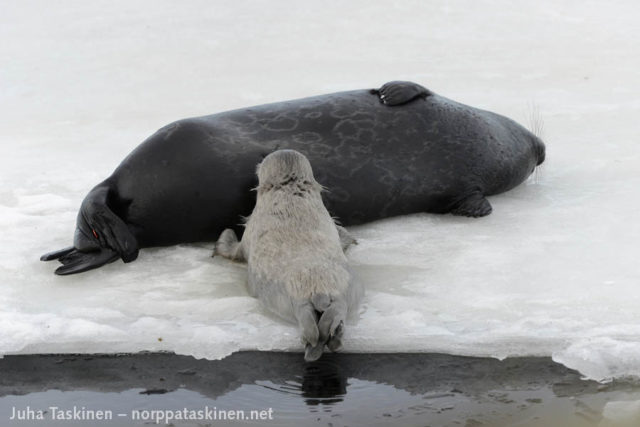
x=383, y=152
x=294, y=251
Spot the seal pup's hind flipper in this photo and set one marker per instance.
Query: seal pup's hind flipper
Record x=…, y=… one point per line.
x=77, y=262
x=335, y=340
x=308, y=322
x=331, y=323
x=313, y=353
x=474, y=205
x=399, y=93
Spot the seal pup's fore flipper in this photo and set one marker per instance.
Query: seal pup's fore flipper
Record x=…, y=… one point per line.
x=346, y=239
x=78, y=262
x=475, y=205
x=98, y=220
x=228, y=246
x=399, y=93
x=56, y=254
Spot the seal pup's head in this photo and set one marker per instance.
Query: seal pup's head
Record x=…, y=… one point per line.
x=286, y=170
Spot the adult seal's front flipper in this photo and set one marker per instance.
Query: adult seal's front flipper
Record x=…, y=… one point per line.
x=475, y=205
x=399, y=93
x=75, y=261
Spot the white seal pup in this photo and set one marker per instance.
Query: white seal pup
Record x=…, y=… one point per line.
x=295, y=253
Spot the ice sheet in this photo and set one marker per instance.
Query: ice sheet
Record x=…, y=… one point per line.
x=552, y=271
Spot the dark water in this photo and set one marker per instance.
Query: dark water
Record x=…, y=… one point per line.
x=338, y=390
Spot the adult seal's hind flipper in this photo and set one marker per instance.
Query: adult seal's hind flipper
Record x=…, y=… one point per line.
x=78, y=262
x=49, y=256
x=399, y=93
x=98, y=223
x=101, y=236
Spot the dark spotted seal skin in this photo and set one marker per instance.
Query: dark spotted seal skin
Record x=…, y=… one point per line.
x=391, y=151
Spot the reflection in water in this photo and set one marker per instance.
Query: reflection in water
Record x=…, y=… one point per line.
x=319, y=383
x=323, y=383
x=339, y=389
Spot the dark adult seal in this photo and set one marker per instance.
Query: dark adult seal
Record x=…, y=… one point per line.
x=391, y=151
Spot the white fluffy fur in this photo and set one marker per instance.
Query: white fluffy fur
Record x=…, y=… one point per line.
x=294, y=250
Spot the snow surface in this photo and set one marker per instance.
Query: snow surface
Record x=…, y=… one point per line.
x=552, y=271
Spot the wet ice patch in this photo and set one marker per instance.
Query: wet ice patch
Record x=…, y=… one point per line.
x=604, y=358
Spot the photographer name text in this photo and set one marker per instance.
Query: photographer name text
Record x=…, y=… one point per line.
x=157, y=416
